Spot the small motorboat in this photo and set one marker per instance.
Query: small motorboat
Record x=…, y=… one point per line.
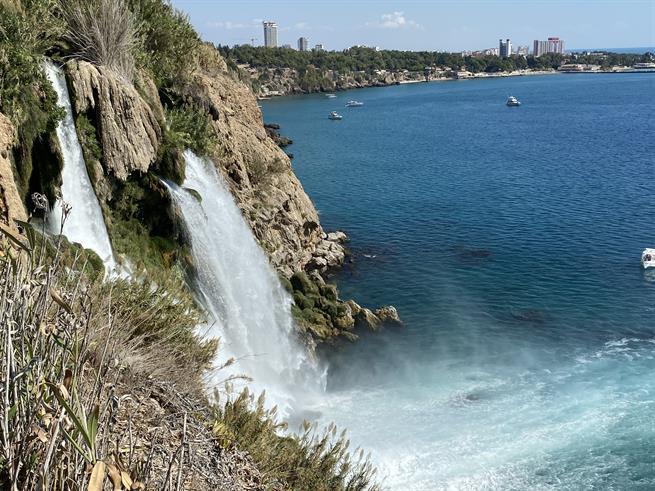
x=335, y=116
x=513, y=101
x=354, y=104
x=331, y=96
x=648, y=258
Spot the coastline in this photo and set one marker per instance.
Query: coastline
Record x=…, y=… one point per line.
x=294, y=91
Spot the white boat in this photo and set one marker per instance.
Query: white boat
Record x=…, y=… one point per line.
x=354, y=104
x=335, y=115
x=331, y=96
x=513, y=101
x=648, y=258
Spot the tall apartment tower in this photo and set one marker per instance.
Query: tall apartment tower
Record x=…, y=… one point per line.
x=504, y=48
x=303, y=44
x=270, y=34
x=556, y=45
x=552, y=45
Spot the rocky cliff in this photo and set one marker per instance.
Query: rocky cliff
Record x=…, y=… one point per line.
x=272, y=199
x=11, y=206
x=285, y=81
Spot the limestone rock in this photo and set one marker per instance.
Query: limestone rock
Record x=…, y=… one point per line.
x=11, y=206
x=368, y=318
x=129, y=130
x=337, y=236
x=388, y=315
x=354, y=307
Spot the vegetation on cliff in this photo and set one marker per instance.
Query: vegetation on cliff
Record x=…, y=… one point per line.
x=102, y=381
x=102, y=386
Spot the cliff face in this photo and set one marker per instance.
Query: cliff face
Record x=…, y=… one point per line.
x=11, y=206
x=128, y=128
x=283, y=218
x=286, y=81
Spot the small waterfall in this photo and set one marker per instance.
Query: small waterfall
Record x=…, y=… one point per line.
x=249, y=309
x=85, y=223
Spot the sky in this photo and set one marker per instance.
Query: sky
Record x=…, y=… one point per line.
x=438, y=25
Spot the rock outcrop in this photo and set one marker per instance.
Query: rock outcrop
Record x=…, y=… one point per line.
x=259, y=173
x=128, y=127
x=286, y=81
x=11, y=206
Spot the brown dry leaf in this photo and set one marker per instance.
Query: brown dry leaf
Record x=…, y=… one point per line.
x=97, y=478
x=60, y=301
x=115, y=476
x=40, y=434
x=127, y=480
x=138, y=485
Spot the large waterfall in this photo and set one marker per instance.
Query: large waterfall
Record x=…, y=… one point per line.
x=85, y=223
x=250, y=311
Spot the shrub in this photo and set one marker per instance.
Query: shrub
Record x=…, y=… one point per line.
x=167, y=42
x=66, y=344
x=187, y=126
x=313, y=460
x=102, y=32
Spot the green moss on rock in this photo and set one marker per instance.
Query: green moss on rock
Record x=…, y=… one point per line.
x=302, y=283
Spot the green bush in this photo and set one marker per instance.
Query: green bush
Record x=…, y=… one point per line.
x=311, y=461
x=187, y=126
x=167, y=42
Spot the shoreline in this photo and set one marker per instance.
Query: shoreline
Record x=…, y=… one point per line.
x=468, y=76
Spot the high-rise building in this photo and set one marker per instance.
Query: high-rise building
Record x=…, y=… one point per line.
x=556, y=45
x=270, y=34
x=303, y=44
x=539, y=48
x=522, y=51
x=552, y=45
x=504, y=48
x=319, y=47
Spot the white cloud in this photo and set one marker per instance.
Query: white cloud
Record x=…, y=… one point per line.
x=395, y=20
x=227, y=25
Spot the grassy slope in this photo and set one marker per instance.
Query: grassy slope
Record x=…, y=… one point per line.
x=103, y=381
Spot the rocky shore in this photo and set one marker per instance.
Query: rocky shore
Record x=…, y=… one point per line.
x=269, y=82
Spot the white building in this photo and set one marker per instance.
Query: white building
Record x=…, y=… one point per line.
x=270, y=34
x=552, y=45
x=319, y=47
x=504, y=48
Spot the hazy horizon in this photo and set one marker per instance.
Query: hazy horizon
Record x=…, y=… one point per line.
x=428, y=26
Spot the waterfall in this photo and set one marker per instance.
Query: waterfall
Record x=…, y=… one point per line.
x=85, y=223
x=250, y=310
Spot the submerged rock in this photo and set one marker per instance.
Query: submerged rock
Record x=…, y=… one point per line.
x=530, y=315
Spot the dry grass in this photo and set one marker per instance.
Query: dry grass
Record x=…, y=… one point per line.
x=90, y=395
x=314, y=460
x=103, y=32
x=101, y=388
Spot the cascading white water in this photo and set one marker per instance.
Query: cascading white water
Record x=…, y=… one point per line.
x=250, y=310
x=85, y=223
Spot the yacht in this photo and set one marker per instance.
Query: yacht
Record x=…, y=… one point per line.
x=648, y=258
x=354, y=104
x=512, y=101
x=335, y=115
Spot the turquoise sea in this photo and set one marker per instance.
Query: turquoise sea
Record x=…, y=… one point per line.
x=509, y=239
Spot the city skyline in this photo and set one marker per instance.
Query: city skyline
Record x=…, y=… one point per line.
x=417, y=25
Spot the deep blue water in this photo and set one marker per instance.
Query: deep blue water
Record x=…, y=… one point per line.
x=509, y=240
